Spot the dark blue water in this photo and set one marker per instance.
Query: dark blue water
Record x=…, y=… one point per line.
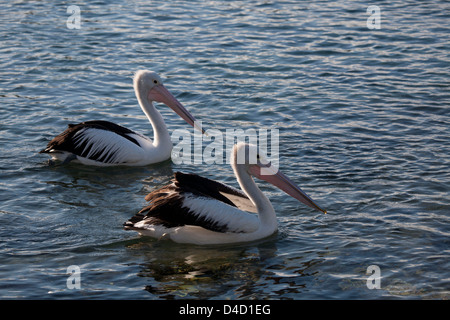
x=363, y=116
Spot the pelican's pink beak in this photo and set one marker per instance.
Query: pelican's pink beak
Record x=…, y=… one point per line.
x=279, y=180
x=159, y=93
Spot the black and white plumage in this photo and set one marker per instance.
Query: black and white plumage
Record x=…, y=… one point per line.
x=170, y=205
x=194, y=209
x=98, y=142
x=103, y=143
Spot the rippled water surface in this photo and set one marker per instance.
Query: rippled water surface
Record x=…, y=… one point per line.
x=363, y=116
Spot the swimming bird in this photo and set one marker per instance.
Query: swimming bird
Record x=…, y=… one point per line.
x=197, y=210
x=103, y=143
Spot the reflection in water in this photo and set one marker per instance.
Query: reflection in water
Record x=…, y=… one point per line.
x=112, y=186
x=119, y=176
x=189, y=271
x=247, y=271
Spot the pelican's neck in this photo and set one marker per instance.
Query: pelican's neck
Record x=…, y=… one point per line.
x=263, y=206
x=161, y=136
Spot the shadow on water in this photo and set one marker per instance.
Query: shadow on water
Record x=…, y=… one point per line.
x=119, y=175
x=177, y=271
x=110, y=182
x=241, y=271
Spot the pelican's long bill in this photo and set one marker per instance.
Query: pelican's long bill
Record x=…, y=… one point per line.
x=279, y=180
x=159, y=93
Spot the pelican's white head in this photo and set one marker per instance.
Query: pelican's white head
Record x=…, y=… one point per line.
x=247, y=154
x=146, y=80
x=149, y=87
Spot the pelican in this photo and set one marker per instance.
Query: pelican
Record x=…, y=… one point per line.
x=197, y=210
x=103, y=143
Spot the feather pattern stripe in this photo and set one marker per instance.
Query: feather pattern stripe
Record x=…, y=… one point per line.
x=96, y=140
x=197, y=201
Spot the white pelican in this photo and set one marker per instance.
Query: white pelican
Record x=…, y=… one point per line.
x=103, y=143
x=198, y=210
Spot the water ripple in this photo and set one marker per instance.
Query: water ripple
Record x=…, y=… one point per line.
x=363, y=126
